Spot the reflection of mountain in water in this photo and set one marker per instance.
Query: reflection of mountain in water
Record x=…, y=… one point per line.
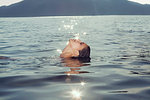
x=74, y=7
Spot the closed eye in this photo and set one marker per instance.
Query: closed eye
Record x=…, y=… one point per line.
x=81, y=43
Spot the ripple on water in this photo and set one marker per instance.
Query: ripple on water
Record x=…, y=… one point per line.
x=108, y=66
x=140, y=72
x=141, y=62
x=120, y=70
x=47, y=86
x=122, y=84
x=132, y=83
x=5, y=47
x=35, y=81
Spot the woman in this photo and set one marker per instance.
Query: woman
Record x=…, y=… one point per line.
x=76, y=49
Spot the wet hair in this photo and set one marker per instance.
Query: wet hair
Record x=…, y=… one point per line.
x=85, y=53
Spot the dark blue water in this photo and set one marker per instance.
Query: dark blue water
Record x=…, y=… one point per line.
x=119, y=69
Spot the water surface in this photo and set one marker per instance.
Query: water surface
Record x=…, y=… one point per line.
x=119, y=69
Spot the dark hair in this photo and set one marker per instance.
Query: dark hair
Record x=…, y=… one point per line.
x=85, y=52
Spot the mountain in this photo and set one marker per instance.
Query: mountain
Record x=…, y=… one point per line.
x=73, y=7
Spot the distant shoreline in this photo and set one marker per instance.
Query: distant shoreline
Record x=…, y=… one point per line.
x=69, y=16
x=38, y=8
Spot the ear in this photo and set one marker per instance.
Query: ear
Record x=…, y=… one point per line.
x=75, y=53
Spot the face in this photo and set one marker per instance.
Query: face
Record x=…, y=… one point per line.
x=73, y=48
x=77, y=44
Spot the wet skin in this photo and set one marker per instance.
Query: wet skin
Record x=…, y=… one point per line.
x=73, y=48
x=71, y=58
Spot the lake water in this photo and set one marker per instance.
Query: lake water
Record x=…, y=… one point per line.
x=119, y=69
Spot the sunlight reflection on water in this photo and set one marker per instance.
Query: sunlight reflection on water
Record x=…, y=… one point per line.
x=59, y=51
x=119, y=66
x=76, y=94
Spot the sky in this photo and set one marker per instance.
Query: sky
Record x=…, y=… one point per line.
x=9, y=2
x=142, y=1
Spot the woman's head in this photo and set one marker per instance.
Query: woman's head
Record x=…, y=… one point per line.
x=76, y=48
x=85, y=52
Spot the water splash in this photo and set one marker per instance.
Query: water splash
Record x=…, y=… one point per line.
x=59, y=51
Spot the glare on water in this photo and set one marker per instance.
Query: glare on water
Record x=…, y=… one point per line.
x=59, y=51
x=76, y=94
x=119, y=66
